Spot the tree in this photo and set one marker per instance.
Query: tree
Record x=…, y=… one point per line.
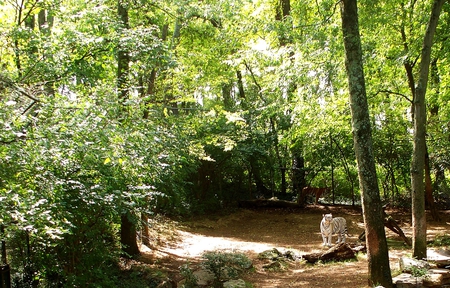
x=377, y=251
x=127, y=227
x=419, y=147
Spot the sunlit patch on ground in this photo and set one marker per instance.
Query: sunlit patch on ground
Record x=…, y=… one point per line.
x=194, y=245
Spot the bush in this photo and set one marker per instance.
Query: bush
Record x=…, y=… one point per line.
x=225, y=265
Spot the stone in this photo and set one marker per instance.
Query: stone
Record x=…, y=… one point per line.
x=406, y=280
x=167, y=284
x=239, y=283
x=274, y=266
x=432, y=280
x=407, y=264
x=270, y=254
x=440, y=257
x=445, y=272
x=204, y=277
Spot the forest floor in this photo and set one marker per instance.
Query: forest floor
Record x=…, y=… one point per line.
x=175, y=243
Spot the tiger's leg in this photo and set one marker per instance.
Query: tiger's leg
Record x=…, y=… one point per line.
x=319, y=192
x=324, y=239
x=341, y=237
x=329, y=240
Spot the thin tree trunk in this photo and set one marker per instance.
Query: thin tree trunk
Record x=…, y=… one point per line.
x=377, y=251
x=145, y=230
x=298, y=176
x=429, y=199
x=123, y=57
x=419, y=145
x=347, y=171
x=127, y=227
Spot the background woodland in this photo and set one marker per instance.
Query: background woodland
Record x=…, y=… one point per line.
x=115, y=111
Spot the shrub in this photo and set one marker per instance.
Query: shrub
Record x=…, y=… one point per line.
x=225, y=264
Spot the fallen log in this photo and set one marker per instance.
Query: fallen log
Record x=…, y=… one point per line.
x=340, y=252
x=268, y=203
x=390, y=223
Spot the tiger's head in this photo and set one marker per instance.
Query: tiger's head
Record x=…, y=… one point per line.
x=327, y=218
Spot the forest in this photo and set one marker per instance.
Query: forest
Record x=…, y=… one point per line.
x=114, y=112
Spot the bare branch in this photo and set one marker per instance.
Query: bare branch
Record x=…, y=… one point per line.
x=395, y=93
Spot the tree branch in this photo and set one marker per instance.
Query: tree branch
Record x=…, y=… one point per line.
x=395, y=93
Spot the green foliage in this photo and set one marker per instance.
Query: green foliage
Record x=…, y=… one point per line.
x=221, y=94
x=441, y=240
x=190, y=280
x=418, y=271
x=225, y=264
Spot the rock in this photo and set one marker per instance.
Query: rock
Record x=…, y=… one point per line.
x=274, y=266
x=167, y=284
x=239, y=283
x=440, y=257
x=445, y=272
x=432, y=280
x=408, y=264
x=270, y=254
x=204, y=278
x=406, y=280
x=290, y=255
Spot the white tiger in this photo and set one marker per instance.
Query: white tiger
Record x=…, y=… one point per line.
x=330, y=226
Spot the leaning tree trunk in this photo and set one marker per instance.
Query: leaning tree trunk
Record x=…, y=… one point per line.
x=419, y=146
x=377, y=251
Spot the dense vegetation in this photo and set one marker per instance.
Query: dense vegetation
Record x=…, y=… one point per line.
x=114, y=111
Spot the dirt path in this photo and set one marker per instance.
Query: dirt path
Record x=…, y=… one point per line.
x=254, y=231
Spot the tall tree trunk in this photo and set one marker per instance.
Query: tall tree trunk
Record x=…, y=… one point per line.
x=377, y=251
x=298, y=176
x=127, y=227
x=283, y=10
x=123, y=57
x=419, y=145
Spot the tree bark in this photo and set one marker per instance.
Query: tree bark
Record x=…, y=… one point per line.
x=123, y=57
x=429, y=199
x=298, y=176
x=283, y=10
x=377, y=251
x=340, y=252
x=419, y=145
x=128, y=236
x=127, y=227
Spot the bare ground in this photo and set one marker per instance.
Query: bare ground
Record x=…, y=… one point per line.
x=253, y=231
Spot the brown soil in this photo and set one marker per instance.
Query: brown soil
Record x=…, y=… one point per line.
x=253, y=231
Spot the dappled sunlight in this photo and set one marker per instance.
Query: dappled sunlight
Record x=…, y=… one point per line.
x=194, y=245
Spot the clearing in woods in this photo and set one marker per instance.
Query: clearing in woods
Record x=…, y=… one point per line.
x=253, y=231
